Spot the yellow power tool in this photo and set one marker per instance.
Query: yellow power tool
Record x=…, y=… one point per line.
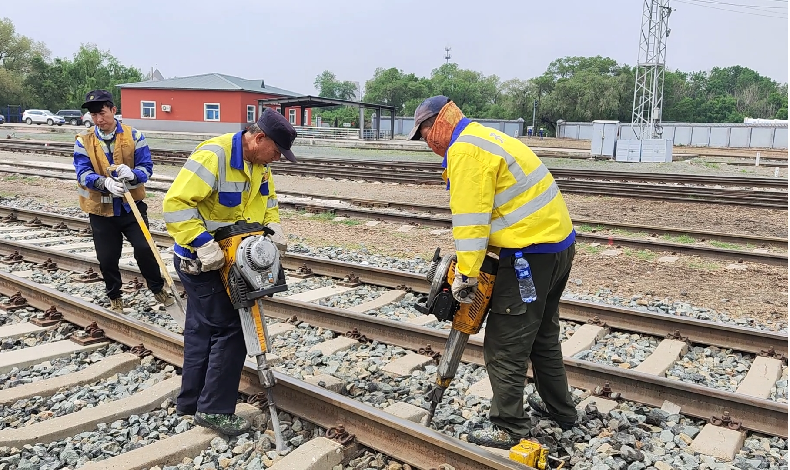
x=467, y=318
x=252, y=271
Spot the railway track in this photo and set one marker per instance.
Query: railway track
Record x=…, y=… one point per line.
x=756, y=249
x=670, y=187
x=758, y=414
x=418, y=445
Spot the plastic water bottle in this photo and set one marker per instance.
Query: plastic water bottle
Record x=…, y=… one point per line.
x=524, y=276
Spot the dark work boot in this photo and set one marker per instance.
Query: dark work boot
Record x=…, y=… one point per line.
x=539, y=408
x=493, y=436
x=230, y=425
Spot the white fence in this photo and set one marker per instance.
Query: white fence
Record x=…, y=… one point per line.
x=736, y=135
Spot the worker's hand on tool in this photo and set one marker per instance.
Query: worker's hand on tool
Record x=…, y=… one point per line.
x=115, y=187
x=464, y=288
x=278, y=237
x=211, y=256
x=124, y=173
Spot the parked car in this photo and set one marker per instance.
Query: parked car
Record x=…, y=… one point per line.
x=2, y=119
x=42, y=116
x=86, y=119
x=72, y=116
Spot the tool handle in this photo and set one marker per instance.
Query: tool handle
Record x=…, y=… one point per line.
x=162, y=267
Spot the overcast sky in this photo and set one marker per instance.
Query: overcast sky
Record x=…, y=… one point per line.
x=288, y=43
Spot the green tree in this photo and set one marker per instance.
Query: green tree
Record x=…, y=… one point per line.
x=329, y=86
x=17, y=51
x=395, y=88
x=472, y=91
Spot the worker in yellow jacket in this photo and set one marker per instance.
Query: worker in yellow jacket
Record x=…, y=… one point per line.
x=504, y=199
x=225, y=180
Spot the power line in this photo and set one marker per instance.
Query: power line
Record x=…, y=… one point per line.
x=733, y=11
x=757, y=7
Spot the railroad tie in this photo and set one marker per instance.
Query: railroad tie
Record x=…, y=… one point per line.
x=320, y=293
x=380, y=301
x=761, y=378
x=583, y=339
x=718, y=441
x=25, y=357
x=405, y=365
x=334, y=346
x=111, y=365
x=86, y=419
x=16, y=330
x=667, y=352
x=407, y=411
x=319, y=453
x=170, y=451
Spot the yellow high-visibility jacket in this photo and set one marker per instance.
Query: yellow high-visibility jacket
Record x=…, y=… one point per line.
x=215, y=188
x=501, y=195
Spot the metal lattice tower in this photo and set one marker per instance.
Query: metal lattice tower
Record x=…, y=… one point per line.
x=649, y=89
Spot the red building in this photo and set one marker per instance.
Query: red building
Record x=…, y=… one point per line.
x=210, y=103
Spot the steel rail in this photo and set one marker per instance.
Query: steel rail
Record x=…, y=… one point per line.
x=599, y=224
x=656, y=324
x=435, y=169
x=701, y=402
x=761, y=199
x=777, y=259
x=767, y=199
x=401, y=439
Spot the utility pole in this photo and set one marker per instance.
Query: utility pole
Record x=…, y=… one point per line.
x=534, y=111
x=447, y=55
x=649, y=88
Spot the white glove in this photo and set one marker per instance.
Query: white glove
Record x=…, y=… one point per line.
x=116, y=188
x=124, y=173
x=278, y=237
x=211, y=256
x=464, y=285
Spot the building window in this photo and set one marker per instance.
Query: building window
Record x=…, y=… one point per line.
x=292, y=116
x=148, y=109
x=250, y=113
x=211, y=111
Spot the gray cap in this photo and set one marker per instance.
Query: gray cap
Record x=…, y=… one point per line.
x=427, y=109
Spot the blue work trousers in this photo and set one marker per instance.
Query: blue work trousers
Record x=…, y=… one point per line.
x=214, y=349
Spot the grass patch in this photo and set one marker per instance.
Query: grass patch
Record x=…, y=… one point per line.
x=703, y=265
x=643, y=255
x=726, y=245
x=678, y=238
x=349, y=222
x=325, y=216
x=593, y=250
x=24, y=179
x=147, y=194
x=591, y=228
x=712, y=165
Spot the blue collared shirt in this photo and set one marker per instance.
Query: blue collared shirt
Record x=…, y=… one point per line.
x=87, y=176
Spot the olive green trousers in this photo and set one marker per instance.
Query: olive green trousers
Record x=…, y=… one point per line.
x=517, y=332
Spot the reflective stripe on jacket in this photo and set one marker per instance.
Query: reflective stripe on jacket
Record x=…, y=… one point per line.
x=501, y=195
x=215, y=188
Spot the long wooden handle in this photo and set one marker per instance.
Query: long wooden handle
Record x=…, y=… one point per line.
x=181, y=319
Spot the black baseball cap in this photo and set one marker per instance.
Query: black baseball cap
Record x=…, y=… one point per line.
x=279, y=130
x=97, y=96
x=426, y=110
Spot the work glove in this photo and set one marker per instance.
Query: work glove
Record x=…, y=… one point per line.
x=464, y=288
x=115, y=187
x=278, y=237
x=124, y=173
x=211, y=256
